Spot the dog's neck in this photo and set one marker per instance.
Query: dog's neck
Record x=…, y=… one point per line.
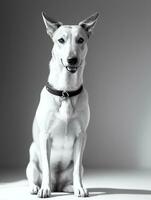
x=61, y=79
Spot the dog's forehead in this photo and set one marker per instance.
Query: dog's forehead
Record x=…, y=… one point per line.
x=66, y=30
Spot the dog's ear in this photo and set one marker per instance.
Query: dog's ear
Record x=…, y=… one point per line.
x=89, y=23
x=51, y=24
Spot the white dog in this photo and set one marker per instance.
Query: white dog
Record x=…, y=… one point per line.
x=62, y=116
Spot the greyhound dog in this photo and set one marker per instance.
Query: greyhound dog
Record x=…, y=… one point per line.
x=62, y=116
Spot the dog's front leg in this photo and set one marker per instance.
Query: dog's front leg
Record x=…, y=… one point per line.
x=79, y=146
x=45, y=147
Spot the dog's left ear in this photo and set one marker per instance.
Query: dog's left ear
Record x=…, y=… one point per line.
x=51, y=24
x=89, y=23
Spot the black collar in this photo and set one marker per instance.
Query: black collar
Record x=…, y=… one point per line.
x=62, y=93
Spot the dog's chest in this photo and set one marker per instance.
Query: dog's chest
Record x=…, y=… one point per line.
x=65, y=121
x=66, y=110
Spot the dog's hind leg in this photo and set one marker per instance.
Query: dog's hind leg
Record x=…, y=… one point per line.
x=66, y=179
x=32, y=171
x=68, y=188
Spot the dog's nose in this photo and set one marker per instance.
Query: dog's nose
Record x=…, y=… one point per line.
x=73, y=60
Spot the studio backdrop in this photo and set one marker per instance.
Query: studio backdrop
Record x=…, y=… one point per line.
x=117, y=77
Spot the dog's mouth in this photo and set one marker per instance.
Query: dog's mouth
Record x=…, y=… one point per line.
x=71, y=69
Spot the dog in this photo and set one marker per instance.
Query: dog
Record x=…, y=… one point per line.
x=62, y=116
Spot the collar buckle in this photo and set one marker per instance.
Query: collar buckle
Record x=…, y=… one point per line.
x=65, y=95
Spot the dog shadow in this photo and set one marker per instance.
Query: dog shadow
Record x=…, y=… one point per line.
x=108, y=191
x=111, y=191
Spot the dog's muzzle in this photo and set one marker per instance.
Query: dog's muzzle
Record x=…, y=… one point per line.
x=71, y=69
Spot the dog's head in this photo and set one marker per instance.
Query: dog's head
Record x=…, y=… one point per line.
x=70, y=41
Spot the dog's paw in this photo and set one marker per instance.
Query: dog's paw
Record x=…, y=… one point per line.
x=81, y=192
x=44, y=192
x=34, y=189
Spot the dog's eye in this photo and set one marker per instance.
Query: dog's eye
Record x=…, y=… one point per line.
x=61, y=40
x=80, y=40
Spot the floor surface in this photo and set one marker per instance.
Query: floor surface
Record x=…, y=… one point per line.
x=102, y=185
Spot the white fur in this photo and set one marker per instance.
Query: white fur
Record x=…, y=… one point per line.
x=59, y=127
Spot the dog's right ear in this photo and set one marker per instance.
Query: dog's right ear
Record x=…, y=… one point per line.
x=51, y=24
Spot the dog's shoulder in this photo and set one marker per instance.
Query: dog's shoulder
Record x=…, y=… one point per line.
x=83, y=100
x=46, y=97
x=47, y=102
x=83, y=97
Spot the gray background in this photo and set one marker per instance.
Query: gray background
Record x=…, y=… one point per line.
x=117, y=77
